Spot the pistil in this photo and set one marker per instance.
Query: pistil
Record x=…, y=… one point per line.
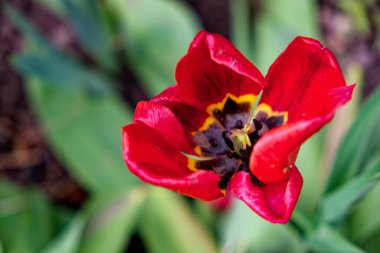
x=238, y=139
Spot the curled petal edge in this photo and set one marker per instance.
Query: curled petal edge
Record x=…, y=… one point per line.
x=277, y=150
x=273, y=202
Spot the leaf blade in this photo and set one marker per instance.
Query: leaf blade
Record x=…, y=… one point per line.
x=112, y=222
x=360, y=143
x=338, y=203
x=68, y=241
x=326, y=239
x=162, y=226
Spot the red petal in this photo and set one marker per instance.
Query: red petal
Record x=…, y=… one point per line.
x=175, y=120
x=165, y=121
x=274, y=202
x=190, y=117
x=153, y=159
x=212, y=68
x=305, y=81
x=169, y=94
x=276, y=151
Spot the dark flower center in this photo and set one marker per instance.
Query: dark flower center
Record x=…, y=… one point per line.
x=226, y=144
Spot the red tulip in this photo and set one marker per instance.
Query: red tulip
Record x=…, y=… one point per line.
x=198, y=137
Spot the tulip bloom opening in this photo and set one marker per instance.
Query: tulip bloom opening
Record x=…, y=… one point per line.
x=202, y=137
x=228, y=136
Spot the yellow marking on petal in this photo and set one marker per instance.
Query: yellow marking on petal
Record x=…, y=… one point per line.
x=192, y=164
x=268, y=110
x=192, y=161
x=198, y=150
x=208, y=122
x=247, y=98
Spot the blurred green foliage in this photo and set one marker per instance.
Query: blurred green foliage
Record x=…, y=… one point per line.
x=82, y=115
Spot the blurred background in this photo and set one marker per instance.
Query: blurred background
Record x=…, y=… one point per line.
x=71, y=73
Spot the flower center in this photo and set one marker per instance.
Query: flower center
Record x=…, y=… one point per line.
x=238, y=139
x=226, y=142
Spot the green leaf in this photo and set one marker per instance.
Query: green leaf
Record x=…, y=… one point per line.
x=245, y=231
x=326, y=239
x=86, y=132
x=338, y=203
x=59, y=70
x=365, y=221
x=90, y=29
x=275, y=28
x=156, y=34
x=361, y=143
x=167, y=225
x=43, y=60
x=240, y=25
x=68, y=241
x=112, y=221
x=373, y=244
x=25, y=219
x=309, y=162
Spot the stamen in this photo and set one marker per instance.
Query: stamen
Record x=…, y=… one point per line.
x=226, y=145
x=239, y=124
x=227, y=140
x=257, y=124
x=238, y=139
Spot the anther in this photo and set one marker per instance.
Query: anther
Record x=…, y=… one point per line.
x=226, y=136
x=257, y=124
x=239, y=124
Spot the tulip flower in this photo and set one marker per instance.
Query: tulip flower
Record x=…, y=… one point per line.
x=202, y=136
